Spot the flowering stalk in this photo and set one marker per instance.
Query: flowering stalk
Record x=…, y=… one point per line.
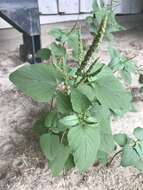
x=90, y=57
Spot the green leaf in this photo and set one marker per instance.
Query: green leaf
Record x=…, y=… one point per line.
x=102, y=157
x=49, y=144
x=107, y=143
x=139, y=148
x=121, y=64
x=56, y=33
x=51, y=119
x=38, y=81
x=58, y=50
x=102, y=115
x=44, y=54
x=63, y=103
x=130, y=157
x=85, y=143
x=121, y=139
x=90, y=120
x=110, y=92
x=87, y=90
x=80, y=102
x=56, y=153
x=70, y=120
x=60, y=161
x=138, y=133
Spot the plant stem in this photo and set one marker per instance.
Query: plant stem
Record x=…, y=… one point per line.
x=51, y=105
x=110, y=162
x=62, y=138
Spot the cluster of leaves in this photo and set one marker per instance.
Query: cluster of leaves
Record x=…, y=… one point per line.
x=118, y=63
x=132, y=148
x=76, y=131
x=122, y=65
x=100, y=8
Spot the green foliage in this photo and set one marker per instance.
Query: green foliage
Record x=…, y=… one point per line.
x=70, y=120
x=38, y=81
x=132, y=148
x=84, y=143
x=56, y=153
x=44, y=54
x=121, y=139
x=76, y=130
x=106, y=84
x=124, y=66
x=58, y=50
x=80, y=102
x=99, y=10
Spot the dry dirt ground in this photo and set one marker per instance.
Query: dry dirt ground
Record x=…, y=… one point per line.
x=22, y=166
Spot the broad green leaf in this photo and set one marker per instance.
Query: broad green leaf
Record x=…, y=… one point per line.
x=70, y=120
x=138, y=133
x=63, y=103
x=107, y=143
x=102, y=157
x=139, y=148
x=60, y=161
x=131, y=157
x=80, y=102
x=38, y=81
x=121, y=139
x=58, y=50
x=102, y=115
x=85, y=143
x=56, y=153
x=49, y=144
x=51, y=119
x=110, y=92
x=87, y=90
x=139, y=165
x=44, y=54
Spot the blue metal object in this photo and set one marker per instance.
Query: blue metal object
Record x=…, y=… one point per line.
x=24, y=16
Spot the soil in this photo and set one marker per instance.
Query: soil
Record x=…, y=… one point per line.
x=22, y=166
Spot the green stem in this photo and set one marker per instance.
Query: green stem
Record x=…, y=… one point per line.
x=110, y=162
